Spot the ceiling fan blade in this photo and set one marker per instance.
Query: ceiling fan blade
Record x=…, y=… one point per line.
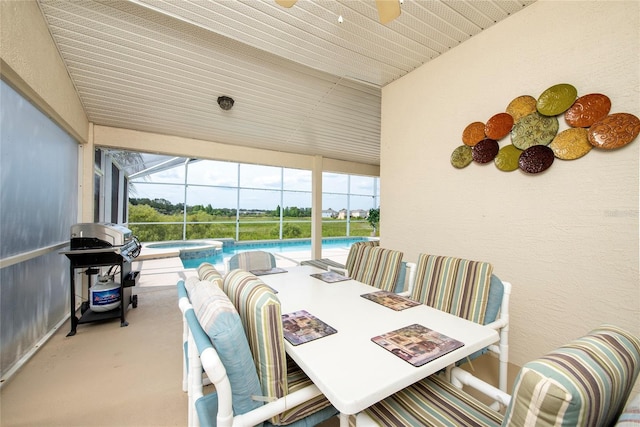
x=286, y=3
x=388, y=10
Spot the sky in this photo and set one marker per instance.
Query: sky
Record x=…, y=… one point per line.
x=260, y=187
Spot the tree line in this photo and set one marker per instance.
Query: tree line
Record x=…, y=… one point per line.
x=165, y=207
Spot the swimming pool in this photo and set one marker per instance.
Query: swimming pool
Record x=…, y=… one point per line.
x=230, y=248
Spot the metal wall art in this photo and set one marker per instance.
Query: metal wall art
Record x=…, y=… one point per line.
x=533, y=125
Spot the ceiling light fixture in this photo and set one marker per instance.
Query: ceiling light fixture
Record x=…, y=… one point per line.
x=225, y=102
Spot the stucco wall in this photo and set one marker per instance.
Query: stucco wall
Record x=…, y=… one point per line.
x=567, y=239
x=30, y=62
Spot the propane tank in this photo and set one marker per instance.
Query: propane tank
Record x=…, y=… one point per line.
x=105, y=294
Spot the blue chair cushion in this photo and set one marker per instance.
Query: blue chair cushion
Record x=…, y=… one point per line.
x=221, y=322
x=402, y=274
x=494, y=300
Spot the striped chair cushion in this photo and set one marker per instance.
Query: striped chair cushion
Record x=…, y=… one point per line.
x=432, y=402
x=261, y=316
x=220, y=320
x=378, y=267
x=252, y=260
x=190, y=283
x=206, y=271
x=355, y=252
x=307, y=414
x=586, y=382
x=457, y=286
x=322, y=263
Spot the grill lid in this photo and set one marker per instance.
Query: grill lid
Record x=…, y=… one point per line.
x=92, y=235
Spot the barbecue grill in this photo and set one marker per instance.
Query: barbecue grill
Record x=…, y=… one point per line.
x=98, y=245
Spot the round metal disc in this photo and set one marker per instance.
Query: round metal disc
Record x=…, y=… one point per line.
x=614, y=131
x=461, y=156
x=507, y=158
x=473, y=133
x=534, y=129
x=521, y=106
x=536, y=159
x=485, y=151
x=498, y=126
x=571, y=144
x=587, y=110
x=557, y=99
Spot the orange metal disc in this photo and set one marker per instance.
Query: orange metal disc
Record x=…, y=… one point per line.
x=498, y=126
x=587, y=110
x=473, y=133
x=614, y=131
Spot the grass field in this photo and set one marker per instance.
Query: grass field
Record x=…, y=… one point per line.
x=249, y=229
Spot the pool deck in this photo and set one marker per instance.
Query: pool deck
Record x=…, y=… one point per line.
x=163, y=267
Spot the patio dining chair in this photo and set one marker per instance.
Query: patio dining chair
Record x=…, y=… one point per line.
x=355, y=252
x=470, y=290
x=279, y=376
x=206, y=271
x=584, y=383
x=251, y=260
x=375, y=266
x=218, y=345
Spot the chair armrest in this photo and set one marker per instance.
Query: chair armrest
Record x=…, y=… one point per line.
x=184, y=304
x=497, y=324
x=460, y=377
x=342, y=271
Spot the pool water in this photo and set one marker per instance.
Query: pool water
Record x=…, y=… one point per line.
x=270, y=246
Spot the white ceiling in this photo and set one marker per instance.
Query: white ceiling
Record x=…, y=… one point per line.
x=302, y=81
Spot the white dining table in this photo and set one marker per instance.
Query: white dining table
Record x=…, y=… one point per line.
x=350, y=369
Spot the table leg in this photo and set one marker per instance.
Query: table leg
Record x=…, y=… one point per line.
x=344, y=420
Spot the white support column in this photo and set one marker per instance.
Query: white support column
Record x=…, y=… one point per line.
x=316, y=208
x=85, y=179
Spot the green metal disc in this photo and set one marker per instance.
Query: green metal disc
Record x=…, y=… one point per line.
x=462, y=156
x=557, y=99
x=507, y=158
